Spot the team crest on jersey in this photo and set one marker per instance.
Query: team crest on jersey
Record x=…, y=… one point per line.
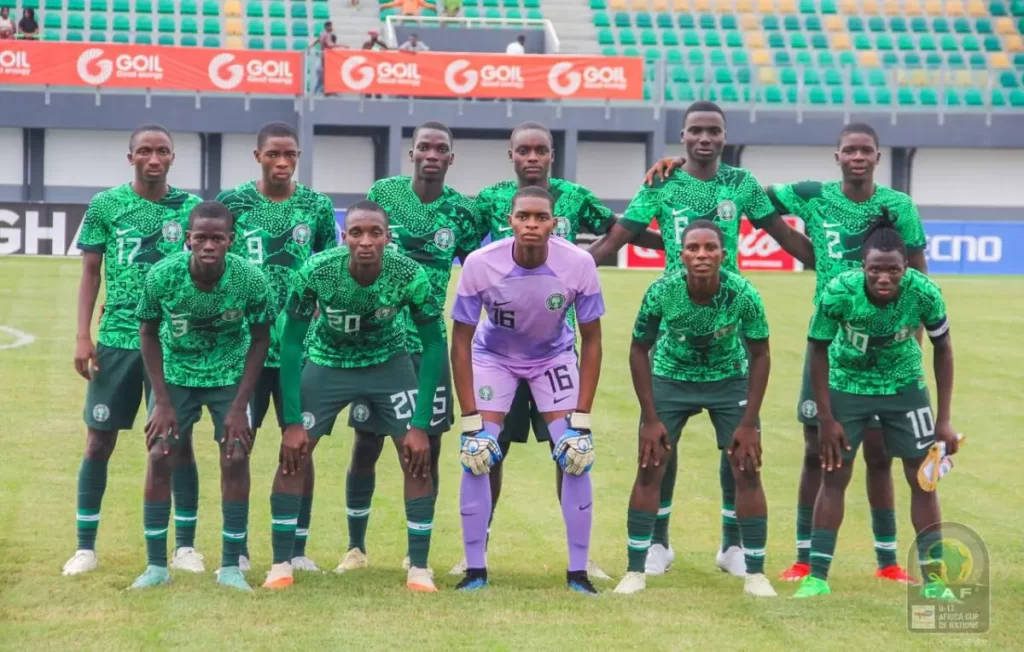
x=444, y=238
x=809, y=409
x=101, y=413
x=555, y=302
x=172, y=232
x=486, y=393
x=301, y=234
x=387, y=312
x=231, y=315
x=903, y=333
x=726, y=211
x=562, y=227
x=308, y=420
x=360, y=412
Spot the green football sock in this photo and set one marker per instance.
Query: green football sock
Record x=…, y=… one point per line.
x=754, y=531
x=823, y=546
x=92, y=483
x=804, y=518
x=730, y=529
x=284, y=517
x=156, y=519
x=419, y=516
x=883, y=525
x=302, y=528
x=236, y=522
x=185, y=487
x=668, y=487
x=639, y=531
x=358, y=495
x=929, y=554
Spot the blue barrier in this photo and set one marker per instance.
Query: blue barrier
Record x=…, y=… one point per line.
x=975, y=247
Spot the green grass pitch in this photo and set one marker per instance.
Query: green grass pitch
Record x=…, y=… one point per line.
x=693, y=606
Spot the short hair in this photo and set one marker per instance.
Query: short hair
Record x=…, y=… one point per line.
x=882, y=235
x=369, y=207
x=857, y=128
x=703, y=106
x=150, y=126
x=275, y=130
x=436, y=126
x=533, y=126
x=533, y=191
x=328, y=24
x=213, y=210
x=521, y=38
x=698, y=225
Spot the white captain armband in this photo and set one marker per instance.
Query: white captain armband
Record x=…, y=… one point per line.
x=938, y=331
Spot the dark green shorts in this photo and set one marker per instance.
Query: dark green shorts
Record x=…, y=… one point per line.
x=384, y=394
x=908, y=426
x=807, y=407
x=188, y=403
x=115, y=392
x=521, y=416
x=268, y=390
x=725, y=400
x=443, y=414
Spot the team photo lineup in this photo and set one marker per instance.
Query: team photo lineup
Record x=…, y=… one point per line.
x=250, y=305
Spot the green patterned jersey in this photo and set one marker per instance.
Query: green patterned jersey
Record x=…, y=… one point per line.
x=432, y=234
x=700, y=342
x=205, y=335
x=680, y=199
x=836, y=225
x=133, y=234
x=873, y=350
x=359, y=326
x=575, y=208
x=279, y=237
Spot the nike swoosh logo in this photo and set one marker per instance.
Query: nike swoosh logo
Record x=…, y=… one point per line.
x=829, y=226
x=179, y=315
x=334, y=311
x=921, y=445
x=504, y=228
x=503, y=303
x=437, y=422
x=250, y=232
x=559, y=400
x=678, y=212
x=125, y=231
x=584, y=508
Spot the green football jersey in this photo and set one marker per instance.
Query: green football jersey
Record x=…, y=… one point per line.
x=205, y=335
x=681, y=199
x=359, y=326
x=575, y=208
x=836, y=225
x=279, y=237
x=695, y=342
x=133, y=234
x=873, y=350
x=432, y=234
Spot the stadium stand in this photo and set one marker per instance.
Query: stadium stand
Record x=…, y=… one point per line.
x=490, y=9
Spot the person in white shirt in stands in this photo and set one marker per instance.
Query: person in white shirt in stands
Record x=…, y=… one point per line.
x=6, y=23
x=517, y=46
x=414, y=44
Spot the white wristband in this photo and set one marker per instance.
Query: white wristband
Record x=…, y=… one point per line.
x=472, y=423
x=579, y=420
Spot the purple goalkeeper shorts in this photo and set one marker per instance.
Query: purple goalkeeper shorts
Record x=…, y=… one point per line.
x=554, y=382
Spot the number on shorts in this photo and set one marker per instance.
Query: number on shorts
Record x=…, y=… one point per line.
x=404, y=403
x=255, y=247
x=922, y=422
x=132, y=245
x=857, y=339
x=559, y=378
x=504, y=318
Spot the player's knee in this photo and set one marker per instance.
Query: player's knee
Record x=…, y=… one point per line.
x=234, y=465
x=99, y=444
x=876, y=459
x=650, y=477
x=160, y=464
x=747, y=479
x=365, y=451
x=811, y=449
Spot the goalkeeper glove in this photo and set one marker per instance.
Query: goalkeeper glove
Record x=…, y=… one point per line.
x=936, y=465
x=480, y=450
x=574, y=450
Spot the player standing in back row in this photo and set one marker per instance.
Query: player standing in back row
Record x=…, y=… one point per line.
x=527, y=284
x=704, y=188
x=127, y=230
x=279, y=225
x=431, y=224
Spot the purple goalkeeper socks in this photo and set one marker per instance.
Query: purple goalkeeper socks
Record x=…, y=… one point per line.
x=475, y=507
x=578, y=512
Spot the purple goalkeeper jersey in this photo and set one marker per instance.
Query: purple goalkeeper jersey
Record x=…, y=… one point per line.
x=526, y=308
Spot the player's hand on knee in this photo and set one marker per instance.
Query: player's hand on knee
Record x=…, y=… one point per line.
x=162, y=427
x=655, y=444
x=745, y=448
x=294, y=447
x=574, y=450
x=832, y=443
x=480, y=450
x=237, y=433
x=416, y=451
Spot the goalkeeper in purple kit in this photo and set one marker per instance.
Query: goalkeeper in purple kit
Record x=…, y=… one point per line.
x=525, y=285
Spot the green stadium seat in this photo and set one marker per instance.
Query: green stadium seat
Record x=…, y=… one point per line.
x=321, y=12
x=76, y=5
x=808, y=7
x=729, y=22
x=670, y=93
x=605, y=37
x=143, y=24
x=826, y=59
x=467, y=13
x=279, y=44
x=188, y=8
x=211, y=42
x=166, y=39
x=1018, y=60
x=905, y=43
x=122, y=6
x=76, y=21
x=876, y=77
x=773, y=95
x=798, y=41
x=189, y=41
x=776, y=40
x=876, y=24
x=707, y=21
x=630, y=52
x=691, y=39
x=627, y=37
x=847, y=58
x=669, y=39
x=862, y=96
x=956, y=60
x=531, y=4
x=740, y=58
x=652, y=54
x=890, y=59
x=143, y=39
x=817, y=95
x=949, y=43
x=648, y=37
x=685, y=21
x=597, y=4
x=804, y=58
x=679, y=74
x=97, y=5
x=862, y=42
x=74, y=37
x=983, y=26
x=788, y=76
x=510, y=3
x=685, y=93
x=695, y=57
x=997, y=8
x=121, y=38
x=534, y=14
x=648, y=92
x=211, y=26
x=970, y=43
x=734, y=39
x=951, y=97
x=791, y=23
x=718, y=58
x=912, y=60
x=300, y=29
x=962, y=26
x=54, y=5
x=491, y=3
x=622, y=19
x=278, y=28
x=212, y=8
x=609, y=52
x=978, y=60
x=771, y=22
x=906, y=97
x=743, y=75
x=256, y=28
x=919, y=25
x=98, y=37
x=729, y=94
x=933, y=60
x=143, y=7
x=166, y=25
x=973, y=97
x=713, y=39
x=782, y=58
x=819, y=41
x=277, y=10
x=926, y=43
x=51, y=21
x=883, y=42
x=665, y=21
x=812, y=77
x=883, y=96
x=992, y=44
x=675, y=55
x=837, y=96
x=997, y=98
x=165, y=7
x=644, y=21
x=940, y=26
x=833, y=77
x=253, y=10
x=601, y=19
x=189, y=25
x=122, y=24
x=898, y=25
x=812, y=24
x=256, y=43
x=1008, y=80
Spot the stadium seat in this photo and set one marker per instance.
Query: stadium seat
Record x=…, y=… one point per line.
x=188, y=41
x=234, y=27
x=143, y=39
x=278, y=28
x=211, y=26
x=256, y=43
x=254, y=9
x=276, y=10
x=52, y=21
x=122, y=6
x=76, y=21
x=188, y=8
x=212, y=8
x=98, y=37
x=121, y=38
x=122, y=24
x=166, y=25
x=188, y=25
x=300, y=29
x=234, y=43
x=54, y=5
x=73, y=37
x=165, y=7
x=166, y=39
x=143, y=7
x=143, y=24
x=76, y=5
x=232, y=8
x=256, y=28
x=211, y=42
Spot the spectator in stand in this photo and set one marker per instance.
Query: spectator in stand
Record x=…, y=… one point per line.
x=517, y=46
x=6, y=23
x=374, y=42
x=409, y=7
x=414, y=44
x=452, y=8
x=327, y=40
x=28, y=26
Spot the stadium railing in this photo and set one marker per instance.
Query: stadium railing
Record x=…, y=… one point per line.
x=551, y=43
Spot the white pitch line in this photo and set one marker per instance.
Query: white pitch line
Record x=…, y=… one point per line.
x=20, y=338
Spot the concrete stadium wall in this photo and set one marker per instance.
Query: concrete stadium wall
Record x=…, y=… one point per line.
x=12, y=163
x=447, y=39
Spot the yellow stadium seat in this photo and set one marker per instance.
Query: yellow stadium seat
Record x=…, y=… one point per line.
x=933, y=7
x=892, y=7
x=660, y=5
x=869, y=7
x=977, y=8
x=639, y=5
x=702, y=5
x=912, y=7
x=848, y=6
x=766, y=75
x=920, y=78
x=234, y=43
x=1015, y=43
x=787, y=6
x=766, y=6
x=749, y=21
x=840, y=41
x=754, y=39
x=868, y=59
x=234, y=27
x=744, y=5
x=834, y=24
x=724, y=6
x=233, y=8
x=1005, y=25
x=618, y=5
x=760, y=57
x=681, y=5
x=964, y=78
x=955, y=8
